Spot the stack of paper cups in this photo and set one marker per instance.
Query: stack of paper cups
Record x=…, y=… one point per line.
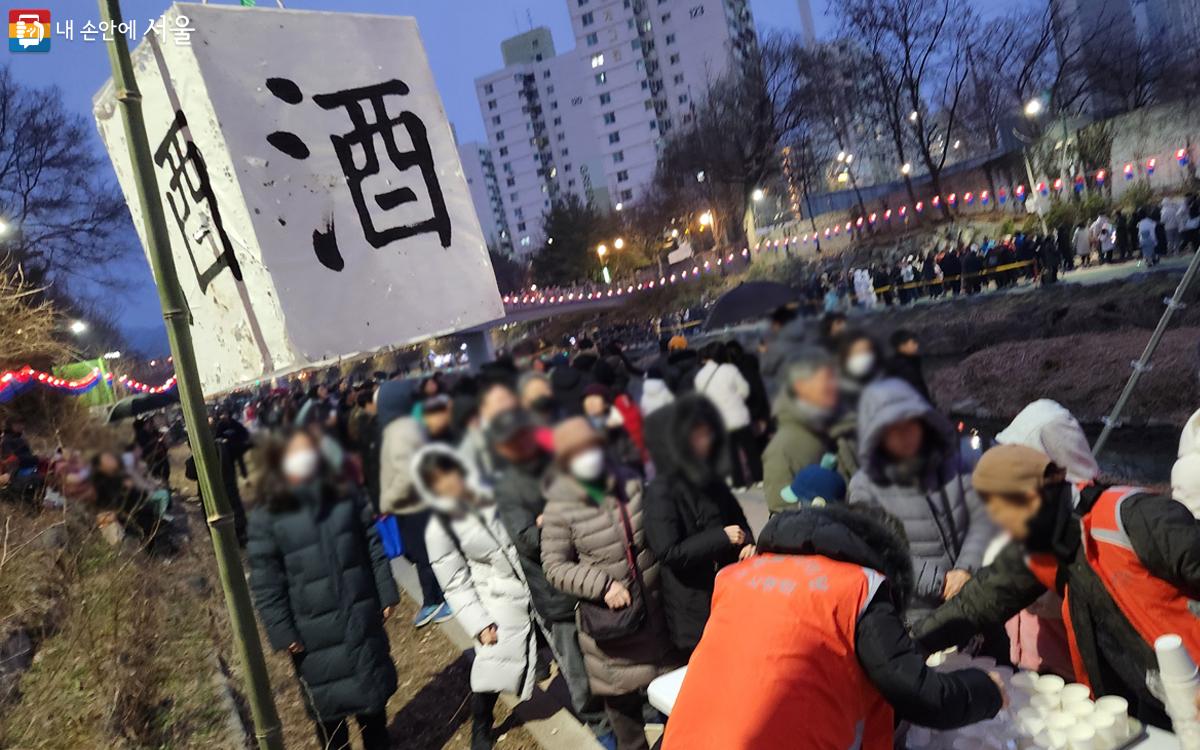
x=1180, y=685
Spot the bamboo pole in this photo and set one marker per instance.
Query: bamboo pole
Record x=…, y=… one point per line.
x=191, y=398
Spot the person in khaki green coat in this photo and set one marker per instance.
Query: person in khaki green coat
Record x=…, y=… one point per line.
x=584, y=554
x=804, y=411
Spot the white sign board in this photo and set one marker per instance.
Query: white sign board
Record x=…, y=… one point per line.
x=311, y=185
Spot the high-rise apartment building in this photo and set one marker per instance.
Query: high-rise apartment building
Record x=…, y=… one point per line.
x=591, y=122
x=480, y=172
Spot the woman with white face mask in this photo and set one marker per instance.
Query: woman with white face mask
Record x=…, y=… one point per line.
x=859, y=364
x=593, y=547
x=323, y=588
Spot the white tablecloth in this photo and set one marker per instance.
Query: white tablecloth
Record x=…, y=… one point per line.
x=664, y=690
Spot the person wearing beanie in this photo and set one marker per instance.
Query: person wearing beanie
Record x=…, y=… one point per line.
x=621, y=427
x=806, y=646
x=817, y=486
x=1126, y=562
x=804, y=409
x=1037, y=635
x=594, y=548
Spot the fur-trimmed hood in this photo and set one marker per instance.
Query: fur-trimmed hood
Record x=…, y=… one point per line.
x=853, y=534
x=667, y=431
x=446, y=505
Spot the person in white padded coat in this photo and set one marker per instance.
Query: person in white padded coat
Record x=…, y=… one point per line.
x=478, y=569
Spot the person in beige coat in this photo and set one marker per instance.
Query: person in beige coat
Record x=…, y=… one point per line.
x=583, y=554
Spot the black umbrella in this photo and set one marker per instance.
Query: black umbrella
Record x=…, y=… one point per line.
x=142, y=403
x=754, y=299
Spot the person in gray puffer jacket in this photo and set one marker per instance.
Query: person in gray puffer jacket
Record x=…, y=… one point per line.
x=909, y=464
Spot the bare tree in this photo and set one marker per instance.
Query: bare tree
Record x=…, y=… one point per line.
x=923, y=46
x=62, y=217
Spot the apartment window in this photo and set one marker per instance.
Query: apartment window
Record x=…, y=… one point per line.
x=514, y=197
x=538, y=57
x=679, y=79
x=491, y=103
x=666, y=17
x=565, y=152
x=614, y=137
x=597, y=60
x=499, y=135
x=582, y=3
x=545, y=73
x=521, y=226
x=562, y=137
x=526, y=242
x=654, y=125
x=510, y=182
x=549, y=89
x=618, y=157
x=674, y=59
x=606, y=98
x=626, y=195
x=557, y=121
x=686, y=119
x=649, y=104
x=683, y=98
x=488, y=89
x=495, y=119
x=610, y=118
x=566, y=167
x=670, y=39
x=519, y=213
x=592, y=39
x=623, y=176
x=636, y=44
x=554, y=104
x=504, y=152
x=507, y=164
x=586, y=19
x=645, y=84
x=601, y=79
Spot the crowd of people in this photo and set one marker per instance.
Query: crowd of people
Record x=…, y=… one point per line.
x=585, y=507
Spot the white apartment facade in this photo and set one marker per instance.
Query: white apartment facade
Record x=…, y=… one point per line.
x=480, y=172
x=591, y=122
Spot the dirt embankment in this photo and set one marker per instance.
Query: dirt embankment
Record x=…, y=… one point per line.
x=991, y=355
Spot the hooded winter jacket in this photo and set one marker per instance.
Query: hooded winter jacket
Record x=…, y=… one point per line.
x=806, y=646
x=479, y=572
x=401, y=435
x=688, y=506
x=944, y=520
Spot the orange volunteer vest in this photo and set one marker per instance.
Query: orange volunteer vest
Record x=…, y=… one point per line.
x=1153, y=606
x=776, y=668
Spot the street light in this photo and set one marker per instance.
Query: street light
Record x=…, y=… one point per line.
x=674, y=233
x=1033, y=107
x=78, y=327
x=906, y=168
x=700, y=176
x=912, y=116
x=706, y=219
x=619, y=243
x=602, y=251
x=758, y=194
x=620, y=207
x=841, y=157
x=3, y=226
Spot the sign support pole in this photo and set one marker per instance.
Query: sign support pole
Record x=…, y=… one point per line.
x=175, y=314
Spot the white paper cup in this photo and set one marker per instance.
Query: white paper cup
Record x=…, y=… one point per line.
x=1079, y=709
x=1082, y=737
x=1051, y=684
x=1106, y=728
x=1024, y=681
x=935, y=660
x=1051, y=739
x=1113, y=705
x=1075, y=692
x=1030, y=722
x=1174, y=663
x=1044, y=704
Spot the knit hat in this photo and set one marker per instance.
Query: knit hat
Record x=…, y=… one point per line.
x=677, y=343
x=598, y=389
x=574, y=434
x=815, y=485
x=1011, y=470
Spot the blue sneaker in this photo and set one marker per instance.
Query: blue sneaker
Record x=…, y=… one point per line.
x=608, y=741
x=426, y=614
x=444, y=614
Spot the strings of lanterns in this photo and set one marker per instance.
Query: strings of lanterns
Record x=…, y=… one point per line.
x=13, y=382
x=1018, y=193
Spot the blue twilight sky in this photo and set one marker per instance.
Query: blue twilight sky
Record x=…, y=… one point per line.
x=462, y=38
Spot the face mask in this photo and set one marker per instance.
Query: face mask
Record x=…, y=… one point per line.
x=300, y=466
x=859, y=365
x=598, y=423
x=588, y=465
